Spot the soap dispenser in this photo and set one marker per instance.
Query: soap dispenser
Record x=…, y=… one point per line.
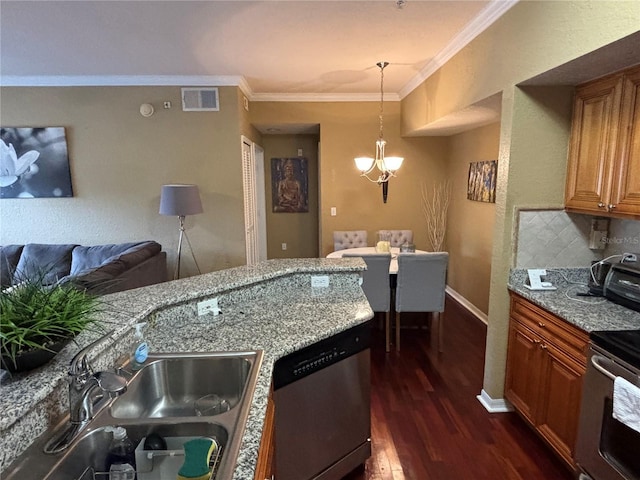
x=140, y=349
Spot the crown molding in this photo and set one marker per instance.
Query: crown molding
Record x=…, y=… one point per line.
x=323, y=97
x=187, y=80
x=123, y=80
x=475, y=27
x=244, y=86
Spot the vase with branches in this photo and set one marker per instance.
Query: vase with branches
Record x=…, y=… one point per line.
x=435, y=204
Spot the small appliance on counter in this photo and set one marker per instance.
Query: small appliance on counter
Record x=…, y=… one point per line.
x=622, y=284
x=597, y=277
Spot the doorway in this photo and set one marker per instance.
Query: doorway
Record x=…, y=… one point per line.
x=253, y=180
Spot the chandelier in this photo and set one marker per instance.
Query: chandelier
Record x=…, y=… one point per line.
x=387, y=166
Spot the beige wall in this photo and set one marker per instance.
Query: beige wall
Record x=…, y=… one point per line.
x=531, y=172
x=530, y=39
x=298, y=230
x=348, y=130
x=469, y=223
x=119, y=160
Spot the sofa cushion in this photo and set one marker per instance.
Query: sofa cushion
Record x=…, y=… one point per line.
x=51, y=262
x=9, y=258
x=111, y=259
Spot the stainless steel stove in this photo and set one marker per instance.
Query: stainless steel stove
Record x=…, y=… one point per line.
x=607, y=449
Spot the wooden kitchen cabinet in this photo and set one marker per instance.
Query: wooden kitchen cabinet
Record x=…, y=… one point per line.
x=546, y=361
x=603, y=174
x=265, y=465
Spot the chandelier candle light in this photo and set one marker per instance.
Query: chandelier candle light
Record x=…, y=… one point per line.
x=386, y=165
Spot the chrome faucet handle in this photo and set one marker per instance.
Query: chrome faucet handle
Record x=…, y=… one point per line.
x=79, y=365
x=86, y=390
x=82, y=403
x=80, y=369
x=111, y=383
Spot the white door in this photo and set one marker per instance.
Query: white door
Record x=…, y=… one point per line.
x=261, y=202
x=254, y=203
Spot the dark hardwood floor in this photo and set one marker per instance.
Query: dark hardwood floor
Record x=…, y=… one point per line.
x=426, y=422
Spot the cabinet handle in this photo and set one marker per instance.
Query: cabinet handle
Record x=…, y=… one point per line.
x=611, y=206
x=601, y=205
x=536, y=341
x=543, y=346
x=541, y=325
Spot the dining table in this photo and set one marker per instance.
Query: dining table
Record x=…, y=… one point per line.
x=393, y=266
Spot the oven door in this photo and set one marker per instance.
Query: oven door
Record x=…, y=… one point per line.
x=606, y=449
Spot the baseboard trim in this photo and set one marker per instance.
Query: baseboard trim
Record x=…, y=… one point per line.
x=470, y=307
x=494, y=405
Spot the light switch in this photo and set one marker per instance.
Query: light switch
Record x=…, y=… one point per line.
x=299, y=152
x=333, y=211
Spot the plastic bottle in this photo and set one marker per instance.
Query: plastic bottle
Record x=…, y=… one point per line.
x=121, y=457
x=140, y=349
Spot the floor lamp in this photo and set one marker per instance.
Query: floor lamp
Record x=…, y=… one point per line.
x=180, y=201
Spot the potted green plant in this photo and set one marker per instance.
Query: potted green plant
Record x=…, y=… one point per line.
x=38, y=320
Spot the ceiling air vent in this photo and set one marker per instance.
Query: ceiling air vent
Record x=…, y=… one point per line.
x=200, y=100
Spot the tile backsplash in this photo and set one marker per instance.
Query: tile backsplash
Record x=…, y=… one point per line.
x=624, y=237
x=555, y=238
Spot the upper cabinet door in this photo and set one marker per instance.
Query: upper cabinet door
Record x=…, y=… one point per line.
x=625, y=198
x=593, y=145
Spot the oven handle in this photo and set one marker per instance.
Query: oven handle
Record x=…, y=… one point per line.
x=600, y=368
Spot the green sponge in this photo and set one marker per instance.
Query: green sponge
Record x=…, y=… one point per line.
x=197, y=453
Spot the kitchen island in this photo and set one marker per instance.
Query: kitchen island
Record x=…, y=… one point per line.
x=270, y=306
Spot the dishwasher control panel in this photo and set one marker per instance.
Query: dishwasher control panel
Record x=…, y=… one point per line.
x=322, y=354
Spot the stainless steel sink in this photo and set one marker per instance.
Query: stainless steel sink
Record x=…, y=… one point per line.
x=161, y=398
x=171, y=386
x=87, y=460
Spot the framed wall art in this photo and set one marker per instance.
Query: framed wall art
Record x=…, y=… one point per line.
x=481, y=185
x=290, y=185
x=34, y=163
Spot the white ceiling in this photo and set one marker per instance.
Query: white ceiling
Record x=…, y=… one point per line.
x=273, y=49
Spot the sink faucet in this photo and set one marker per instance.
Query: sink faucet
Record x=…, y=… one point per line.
x=86, y=389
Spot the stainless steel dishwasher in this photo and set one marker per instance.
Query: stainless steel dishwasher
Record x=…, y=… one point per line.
x=322, y=404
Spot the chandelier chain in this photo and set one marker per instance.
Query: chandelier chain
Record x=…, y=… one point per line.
x=382, y=65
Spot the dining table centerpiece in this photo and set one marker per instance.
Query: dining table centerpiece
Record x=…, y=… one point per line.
x=38, y=319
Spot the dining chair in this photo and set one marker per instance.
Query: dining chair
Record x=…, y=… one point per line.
x=376, y=286
x=343, y=239
x=421, y=286
x=398, y=237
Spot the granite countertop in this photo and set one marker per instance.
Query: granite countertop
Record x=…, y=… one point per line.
x=587, y=313
x=269, y=307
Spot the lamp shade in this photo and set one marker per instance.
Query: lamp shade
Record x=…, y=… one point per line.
x=364, y=164
x=393, y=163
x=180, y=200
